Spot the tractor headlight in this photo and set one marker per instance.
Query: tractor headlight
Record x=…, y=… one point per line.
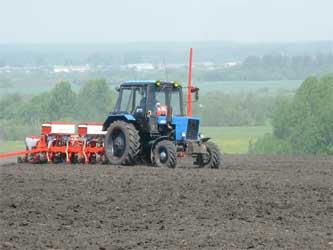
x=158, y=83
x=176, y=84
x=201, y=136
x=183, y=135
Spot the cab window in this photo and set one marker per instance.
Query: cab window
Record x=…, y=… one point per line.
x=131, y=100
x=125, y=100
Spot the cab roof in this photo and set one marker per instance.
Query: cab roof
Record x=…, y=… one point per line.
x=144, y=82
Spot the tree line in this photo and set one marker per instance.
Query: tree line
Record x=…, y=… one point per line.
x=142, y=52
x=253, y=68
x=274, y=67
x=22, y=115
x=238, y=109
x=303, y=124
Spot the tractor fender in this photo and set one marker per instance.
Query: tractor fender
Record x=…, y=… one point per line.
x=116, y=117
x=153, y=144
x=206, y=139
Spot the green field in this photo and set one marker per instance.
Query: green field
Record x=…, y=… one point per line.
x=232, y=140
x=235, y=140
x=11, y=146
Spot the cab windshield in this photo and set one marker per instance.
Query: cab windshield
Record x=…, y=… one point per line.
x=165, y=96
x=139, y=100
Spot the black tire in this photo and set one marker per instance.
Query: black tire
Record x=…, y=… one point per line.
x=165, y=154
x=213, y=158
x=93, y=159
x=74, y=159
x=19, y=159
x=122, y=143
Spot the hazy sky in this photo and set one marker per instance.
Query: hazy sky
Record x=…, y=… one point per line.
x=39, y=21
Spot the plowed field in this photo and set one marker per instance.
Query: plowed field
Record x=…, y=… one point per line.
x=252, y=203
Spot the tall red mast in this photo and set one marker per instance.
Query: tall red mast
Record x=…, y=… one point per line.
x=189, y=87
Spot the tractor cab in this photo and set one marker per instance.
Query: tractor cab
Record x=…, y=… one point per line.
x=150, y=98
x=149, y=122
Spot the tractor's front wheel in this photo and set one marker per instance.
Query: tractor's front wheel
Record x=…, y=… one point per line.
x=122, y=143
x=211, y=159
x=165, y=154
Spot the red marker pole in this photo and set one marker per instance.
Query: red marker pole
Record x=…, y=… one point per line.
x=189, y=87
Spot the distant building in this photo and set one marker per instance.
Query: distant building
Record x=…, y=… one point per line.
x=205, y=65
x=141, y=66
x=228, y=65
x=69, y=69
x=175, y=65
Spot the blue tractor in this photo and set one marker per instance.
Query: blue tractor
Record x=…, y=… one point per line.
x=149, y=124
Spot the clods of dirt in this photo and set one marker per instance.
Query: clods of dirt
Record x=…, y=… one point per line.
x=253, y=203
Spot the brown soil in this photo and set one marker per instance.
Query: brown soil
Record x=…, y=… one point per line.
x=253, y=203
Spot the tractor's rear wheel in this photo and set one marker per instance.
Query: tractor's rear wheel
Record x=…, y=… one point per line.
x=213, y=157
x=165, y=154
x=122, y=143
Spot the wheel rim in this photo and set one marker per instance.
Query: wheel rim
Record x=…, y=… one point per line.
x=163, y=155
x=117, y=143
